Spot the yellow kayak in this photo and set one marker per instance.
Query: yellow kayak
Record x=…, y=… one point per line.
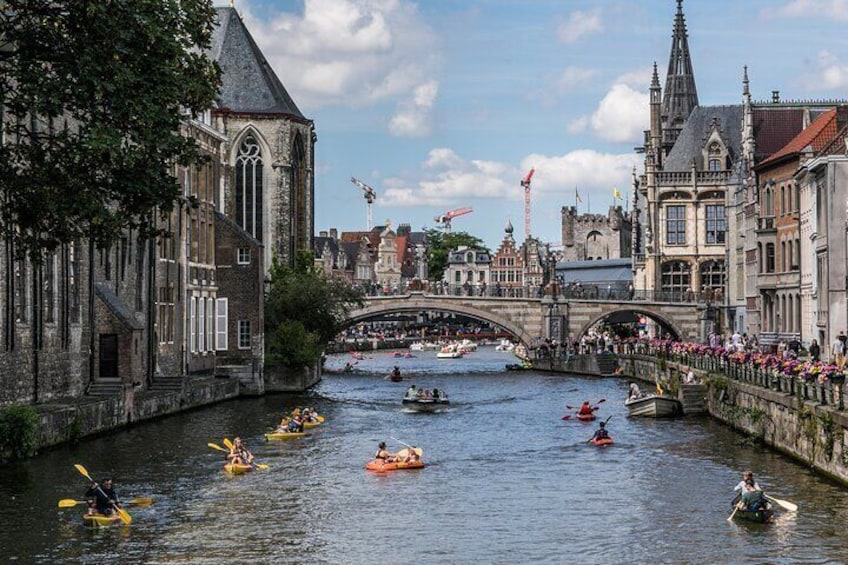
x=284, y=435
x=100, y=520
x=237, y=468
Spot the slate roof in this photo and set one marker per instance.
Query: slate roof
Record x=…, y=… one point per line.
x=320, y=242
x=774, y=128
x=815, y=137
x=248, y=83
x=690, y=143
x=117, y=306
x=608, y=271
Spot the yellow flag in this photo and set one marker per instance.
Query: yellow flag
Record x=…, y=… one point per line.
x=616, y=194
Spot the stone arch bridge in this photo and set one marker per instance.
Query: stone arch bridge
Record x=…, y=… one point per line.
x=530, y=318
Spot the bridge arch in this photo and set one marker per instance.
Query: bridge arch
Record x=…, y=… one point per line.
x=377, y=307
x=662, y=320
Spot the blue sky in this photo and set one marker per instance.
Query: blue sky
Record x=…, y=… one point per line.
x=441, y=104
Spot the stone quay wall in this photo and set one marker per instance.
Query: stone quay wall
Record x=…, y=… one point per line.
x=804, y=420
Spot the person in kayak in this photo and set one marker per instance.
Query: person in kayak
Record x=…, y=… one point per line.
x=383, y=455
x=752, y=498
x=746, y=476
x=239, y=454
x=585, y=409
x=396, y=373
x=412, y=456
x=296, y=424
x=102, y=500
x=600, y=433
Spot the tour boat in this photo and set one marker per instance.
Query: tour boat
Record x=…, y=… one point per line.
x=654, y=406
x=426, y=404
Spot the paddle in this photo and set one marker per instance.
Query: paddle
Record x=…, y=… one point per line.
x=732, y=514
x=785, y=504
x=69, y=502
x=260, y=466
x=123, y=514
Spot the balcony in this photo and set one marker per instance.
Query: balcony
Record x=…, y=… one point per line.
x=766, y=224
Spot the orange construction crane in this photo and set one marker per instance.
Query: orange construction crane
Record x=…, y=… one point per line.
x=525, y=182
x=445, y=219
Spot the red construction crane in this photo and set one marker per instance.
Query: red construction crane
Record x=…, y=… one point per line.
x=526, y=184
x=445, y=219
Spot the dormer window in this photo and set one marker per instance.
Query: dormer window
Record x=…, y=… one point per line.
x=715, y=157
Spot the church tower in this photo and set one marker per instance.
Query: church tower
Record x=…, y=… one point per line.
x=680, y=96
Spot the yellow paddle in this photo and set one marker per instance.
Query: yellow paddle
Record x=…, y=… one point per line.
x=218, y=447
x=260, y=466
x=123, y=514
x=70, y=502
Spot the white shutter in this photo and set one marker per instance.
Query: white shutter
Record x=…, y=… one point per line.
x=210, y=324
x=201, y=324
x=221, y=325
x=192, y=329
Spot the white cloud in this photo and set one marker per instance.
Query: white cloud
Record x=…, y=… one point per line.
x=622, y=115
x=450, y=180
x=572, y=78
x=413, y=117
x=836, y=9
x=579, y=125
x=829, y=74
x=578, y=25
x=347, y=52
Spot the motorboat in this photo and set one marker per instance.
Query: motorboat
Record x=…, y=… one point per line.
x=425, y=400
x=451, y=351
x=654, y=406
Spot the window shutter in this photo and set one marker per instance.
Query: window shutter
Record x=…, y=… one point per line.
x=221, y=325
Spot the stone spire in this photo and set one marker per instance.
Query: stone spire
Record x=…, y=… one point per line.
x=680, y=96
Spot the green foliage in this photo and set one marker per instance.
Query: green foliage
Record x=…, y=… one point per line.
x=19, y=429
x=439, y=244
x=95, y=93
x=304, y=310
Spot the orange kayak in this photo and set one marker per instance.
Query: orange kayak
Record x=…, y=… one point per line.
x=604, y=441
x=381, y=466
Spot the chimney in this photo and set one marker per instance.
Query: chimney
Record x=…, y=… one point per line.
x=322, y=234
x=775, y=96
x=334, y=233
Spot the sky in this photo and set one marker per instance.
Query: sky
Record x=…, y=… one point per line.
x=444, y=104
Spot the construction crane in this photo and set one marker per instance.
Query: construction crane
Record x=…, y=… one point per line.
x=525, y=182
x=445, y=219
x=370, y=196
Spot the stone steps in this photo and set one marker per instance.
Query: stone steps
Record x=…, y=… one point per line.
x=693, y=398
x=169, y=384
x=106, y=387
x=607, y=364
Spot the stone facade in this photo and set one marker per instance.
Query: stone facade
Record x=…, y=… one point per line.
x=593, y=237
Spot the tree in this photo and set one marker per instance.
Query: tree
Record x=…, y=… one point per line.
x=304, y=310
x=439, y=244
x=94, y=95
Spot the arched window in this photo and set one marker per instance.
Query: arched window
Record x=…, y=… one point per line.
x=714, y=157
x=713, y=275
x=249, y=187
x=676, y=277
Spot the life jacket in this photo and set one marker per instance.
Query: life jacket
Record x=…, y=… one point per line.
x=585, y=409
x=601, y=434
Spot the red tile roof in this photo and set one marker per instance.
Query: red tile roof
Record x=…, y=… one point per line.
x=816, y=136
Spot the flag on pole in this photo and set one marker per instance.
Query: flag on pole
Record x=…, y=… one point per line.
x=577, y=196
x=616, y=194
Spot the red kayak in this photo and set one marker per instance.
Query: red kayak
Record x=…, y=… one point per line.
x=602, y=441
x=586, y=417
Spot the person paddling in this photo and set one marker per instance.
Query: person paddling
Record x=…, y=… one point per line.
x=383, y=455
x=585, y=409
x=239, y=454
x=104, y=500
x=600, y=433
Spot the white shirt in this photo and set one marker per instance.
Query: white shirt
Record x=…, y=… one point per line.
x=741, y=486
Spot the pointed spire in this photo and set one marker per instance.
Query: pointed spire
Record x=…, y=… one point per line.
x=680, y=96
x=655, y=79
x=745, y=91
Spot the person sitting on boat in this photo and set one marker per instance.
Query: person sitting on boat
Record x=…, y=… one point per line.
x=103, y=500
x=383, y=455
x=601, y=432
x=420, y=394
x=634, y=391
x=752, y=498
x=585, y=409
x=296, y=424
x=436, y=394
x=283, y=426
x=239, y=454
x=396, y=372
x=348, y=367
x=411, y=455
x=746, y=476
x=410, y=392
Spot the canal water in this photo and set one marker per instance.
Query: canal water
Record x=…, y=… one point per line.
x=507, y=482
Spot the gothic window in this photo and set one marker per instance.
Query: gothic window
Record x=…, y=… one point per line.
x=48, y=281
x=714, y=157
x=713, y=275
x=20, y=291
x=249, y=187
x=716, y=224
x=675, y=225
x=769, y=257
x=676, y=277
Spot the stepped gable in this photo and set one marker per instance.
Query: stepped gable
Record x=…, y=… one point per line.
x=815, y=137
x=689, y=146
x=248, y=83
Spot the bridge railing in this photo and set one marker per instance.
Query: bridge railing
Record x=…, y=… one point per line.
x=564, y=292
